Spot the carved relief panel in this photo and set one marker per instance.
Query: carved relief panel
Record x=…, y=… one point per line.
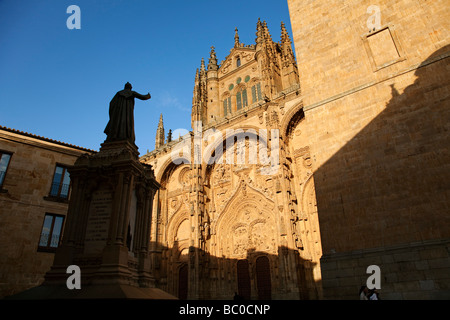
x=247, y=224
x=177, y=184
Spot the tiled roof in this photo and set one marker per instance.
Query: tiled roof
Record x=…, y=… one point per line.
x=45, y=139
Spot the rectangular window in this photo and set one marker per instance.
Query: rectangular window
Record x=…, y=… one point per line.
x=238, y=101
x=51, y=232
x=4, y=163
x=61, y=183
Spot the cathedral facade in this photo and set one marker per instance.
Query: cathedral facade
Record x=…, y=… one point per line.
x=236, y=210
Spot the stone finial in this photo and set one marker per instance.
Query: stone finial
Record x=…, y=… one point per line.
x=212, y=63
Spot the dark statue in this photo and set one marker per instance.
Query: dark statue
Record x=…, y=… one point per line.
x=121, y=119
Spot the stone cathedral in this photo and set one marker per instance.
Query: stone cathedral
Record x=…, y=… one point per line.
x=226, y=224
x=295, y=179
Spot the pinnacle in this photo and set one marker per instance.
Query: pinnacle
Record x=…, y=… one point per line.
x=212, y=63
x=236, y=38
x=284, y=34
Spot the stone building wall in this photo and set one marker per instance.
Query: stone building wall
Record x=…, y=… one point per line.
x=24, y=201
x=376, y=120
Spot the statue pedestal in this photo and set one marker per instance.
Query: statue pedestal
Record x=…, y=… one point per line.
x=107, y=229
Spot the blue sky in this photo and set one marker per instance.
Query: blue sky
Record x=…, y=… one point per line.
x=57, y=83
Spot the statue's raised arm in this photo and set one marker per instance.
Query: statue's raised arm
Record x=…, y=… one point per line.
x=121, y=118
x=140, y=96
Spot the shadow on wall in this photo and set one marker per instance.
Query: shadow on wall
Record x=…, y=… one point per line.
x=195, y=274
x=390, y=185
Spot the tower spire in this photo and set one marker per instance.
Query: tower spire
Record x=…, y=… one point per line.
x=200, y=94
x=266, y=32
x=202, y=68
x=212, y=63
x=236, y=38
x=259, y=32
x=202, y=81
x=286, y=46
x=159, y=141
x=284, y=35
x=196, y=94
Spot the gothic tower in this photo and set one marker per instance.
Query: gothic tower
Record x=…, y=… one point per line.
x=249, y=74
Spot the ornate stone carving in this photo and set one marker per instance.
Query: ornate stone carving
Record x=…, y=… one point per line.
x=221, y=174
x=261, y=117
x=246, y=56
x=225, y=67
x=183, y=177
x=247, y=223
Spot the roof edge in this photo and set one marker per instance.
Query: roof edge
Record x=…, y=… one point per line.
x=31, y=135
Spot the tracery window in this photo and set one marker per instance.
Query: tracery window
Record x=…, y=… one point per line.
x=256, y=92
x=241, y=99
x=226, y=106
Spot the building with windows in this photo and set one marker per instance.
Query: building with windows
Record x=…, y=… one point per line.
x=34, y=191
x=236, y=209
x=362, y=129
x=295, y=178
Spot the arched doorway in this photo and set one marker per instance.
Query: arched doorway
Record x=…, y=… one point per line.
x=243, y=277
x=183, y=282
x=263, y=282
